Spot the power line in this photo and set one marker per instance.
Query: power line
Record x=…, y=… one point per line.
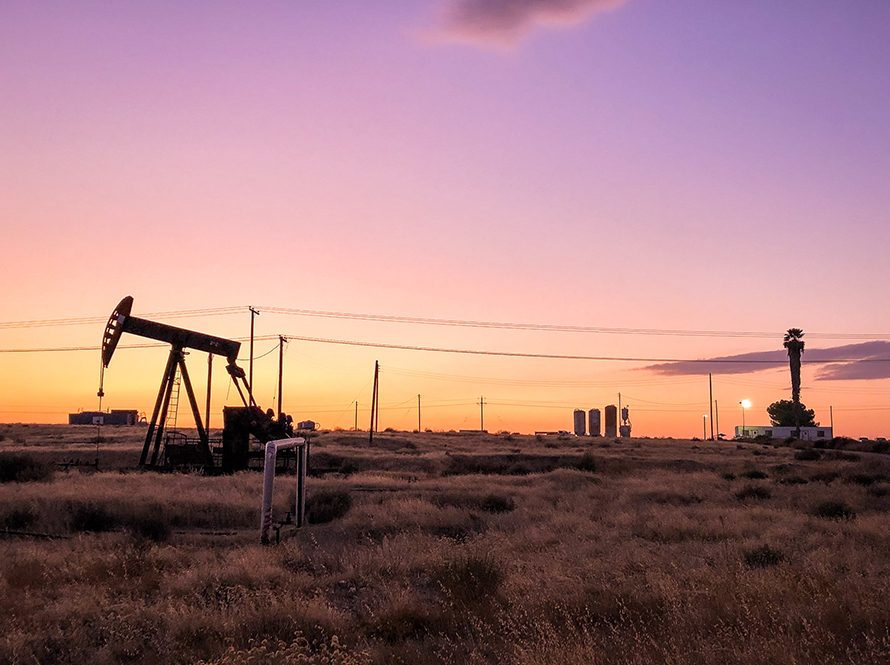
x=175, y=314
x=558, y=327
x=479, y=352
x=464, y=323
x=558, y=356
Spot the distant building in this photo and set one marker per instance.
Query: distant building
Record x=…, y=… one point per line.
x=806, y=433
x=113, y=417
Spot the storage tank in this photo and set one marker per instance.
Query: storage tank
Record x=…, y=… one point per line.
x=594, y=422
x=580, y=422
x=612, y=420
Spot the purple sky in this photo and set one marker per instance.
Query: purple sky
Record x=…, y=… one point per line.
x=683, y=164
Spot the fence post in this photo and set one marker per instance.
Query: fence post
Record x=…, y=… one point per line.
x=302, y=463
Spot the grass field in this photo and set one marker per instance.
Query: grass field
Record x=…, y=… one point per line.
x=447, y=548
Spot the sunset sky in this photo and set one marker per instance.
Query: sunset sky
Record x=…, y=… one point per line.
x=690, y=165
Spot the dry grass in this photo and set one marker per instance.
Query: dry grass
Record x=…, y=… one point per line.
x=639, y=552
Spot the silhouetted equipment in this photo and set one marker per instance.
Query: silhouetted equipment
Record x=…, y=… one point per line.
x=580, y=422
x=611, y=420
x=239, y=422
x=624, y=429
x=594, y=422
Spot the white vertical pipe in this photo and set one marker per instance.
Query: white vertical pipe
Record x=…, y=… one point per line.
x=268, y=482
x=272, y=449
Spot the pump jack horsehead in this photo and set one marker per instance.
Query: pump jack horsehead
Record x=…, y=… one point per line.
x=259, y=423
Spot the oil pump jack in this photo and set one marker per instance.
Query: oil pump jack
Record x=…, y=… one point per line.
x=239, y=422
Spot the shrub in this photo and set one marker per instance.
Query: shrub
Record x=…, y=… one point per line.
x=19, y=519
x=348, y=467
x=150, y=528
x=497, y=503
x=19, y=467
x=403, y=622
x=587, y=463
x=793, y=480
x=728, y=476
x=753, y=492
x=666, y=497
x=808, y=455
x=763, y=557
x=834, y=510
x=470, y=578
x=881, y=447
x=92, y=517
x=865, y=479
x=327, y=506
x=754, y=474
x=825, y=477
x=490, y=503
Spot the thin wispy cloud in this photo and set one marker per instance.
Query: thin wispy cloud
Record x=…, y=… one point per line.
x=865, y=361
x=504, y=23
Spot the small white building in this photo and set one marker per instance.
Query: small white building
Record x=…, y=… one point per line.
x=806, y=433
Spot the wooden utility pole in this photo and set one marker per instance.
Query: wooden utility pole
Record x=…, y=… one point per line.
x=482, y=414
x=253, y=314
x=717, y=418
x=355, y=426
x=281, y=342
x=418, y=413
x=209, y=375
x=711, y=403
x=374, y=404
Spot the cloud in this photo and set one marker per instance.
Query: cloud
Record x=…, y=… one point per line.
x=865, y=361
x=505, y=22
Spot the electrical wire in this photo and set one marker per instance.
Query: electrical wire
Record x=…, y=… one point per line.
x=463, y=323
x=174, y=314
x=558, y=356
x=507, y=354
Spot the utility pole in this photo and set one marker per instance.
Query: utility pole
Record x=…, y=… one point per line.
x=711, y=403
x=831, y=417
x=355, y=426
x=281, y=342
x=717, y=417
x=253, y=314
x=209, y=375
x=418, y=414
x=374, y=404
x=482, y=414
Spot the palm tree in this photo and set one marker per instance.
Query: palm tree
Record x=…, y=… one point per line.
x=794, y=343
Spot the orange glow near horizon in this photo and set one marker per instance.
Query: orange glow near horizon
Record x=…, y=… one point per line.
x=322, y=382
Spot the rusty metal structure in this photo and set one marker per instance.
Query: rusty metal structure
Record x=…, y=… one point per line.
x=239, y=422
